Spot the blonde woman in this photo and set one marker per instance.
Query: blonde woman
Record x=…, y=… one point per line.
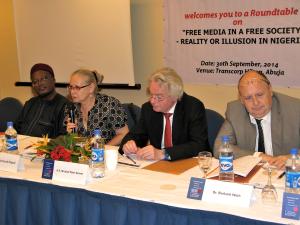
x=94, y=110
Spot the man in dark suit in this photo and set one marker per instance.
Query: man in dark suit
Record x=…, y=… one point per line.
x=44, y=113
x=172, y=124
x=261, y=121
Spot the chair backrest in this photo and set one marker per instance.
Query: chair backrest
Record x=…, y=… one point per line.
x=10, y=108
x=133, y=114
x=214, y=123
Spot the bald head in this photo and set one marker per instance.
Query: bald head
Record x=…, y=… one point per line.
x=255, y=93
x=253, y=76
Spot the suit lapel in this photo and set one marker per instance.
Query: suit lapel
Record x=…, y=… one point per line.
x=249, y=132
x=276, y=128
x=252, y=137
x=157, y=128
x=178, y=117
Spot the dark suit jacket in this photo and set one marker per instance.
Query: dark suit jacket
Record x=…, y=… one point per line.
x=40, y=117
x=285, y=126
x=189, y=129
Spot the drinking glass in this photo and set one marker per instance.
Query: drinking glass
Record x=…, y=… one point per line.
x=204, y=161
x=2, y=142
x=268, y=193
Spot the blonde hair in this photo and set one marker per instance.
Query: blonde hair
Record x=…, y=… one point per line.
x=92, y=77
x=168, y=77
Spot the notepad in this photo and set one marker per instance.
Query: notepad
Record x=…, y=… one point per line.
x=126, y=161
x=173, y=167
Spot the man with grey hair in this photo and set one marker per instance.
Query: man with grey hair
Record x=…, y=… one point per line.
x=261, y=121
x=172, y=124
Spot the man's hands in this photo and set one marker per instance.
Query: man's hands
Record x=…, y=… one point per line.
x=147, y=153
x=278, y=161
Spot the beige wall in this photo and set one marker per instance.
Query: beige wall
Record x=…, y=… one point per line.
x=147, y=38
x=8, y=57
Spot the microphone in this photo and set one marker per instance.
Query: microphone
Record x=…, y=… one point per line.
x=72, y=115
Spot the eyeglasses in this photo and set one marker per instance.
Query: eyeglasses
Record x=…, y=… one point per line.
x=38, y=81
x=158, y=98
x=76, y=88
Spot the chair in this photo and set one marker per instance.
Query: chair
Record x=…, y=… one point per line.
x=133, y=114
x=10, y=108
x=214, y=123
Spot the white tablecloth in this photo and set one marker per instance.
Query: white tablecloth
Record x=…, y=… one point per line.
x=168, y=189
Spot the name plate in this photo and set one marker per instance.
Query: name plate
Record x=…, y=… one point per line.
x=69, y=172
x=291, y=206
x=11, y=162
x=219, y=192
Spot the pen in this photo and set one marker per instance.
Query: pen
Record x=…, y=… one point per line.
x=128, y=164
x=281, y=175
x=29, y=146
x=128, y=157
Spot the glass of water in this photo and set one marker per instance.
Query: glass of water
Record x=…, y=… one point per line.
x=2, y=142
x=268, y=193
x=204, y=161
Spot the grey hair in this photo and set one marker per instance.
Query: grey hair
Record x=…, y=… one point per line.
x=169, y=77
x=92, y=77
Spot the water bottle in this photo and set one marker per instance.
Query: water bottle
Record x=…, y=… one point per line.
x=292, y=173
x=11, y=138
x=226, y=160
x=97, y=162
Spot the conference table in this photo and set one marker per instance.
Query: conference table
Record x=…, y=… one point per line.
x=128, y=195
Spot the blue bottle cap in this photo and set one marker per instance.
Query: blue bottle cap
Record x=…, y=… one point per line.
x=225, y=138
x=10, y=124
x=97, y=132
x=294, y=151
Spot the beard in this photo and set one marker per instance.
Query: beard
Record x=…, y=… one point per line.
x=46, y=94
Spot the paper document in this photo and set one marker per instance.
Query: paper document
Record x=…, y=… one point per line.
x=132, y=160
x=214, y=169
x=243, y=166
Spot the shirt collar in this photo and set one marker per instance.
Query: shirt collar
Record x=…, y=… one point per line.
x=266, y=118
x=172, y=108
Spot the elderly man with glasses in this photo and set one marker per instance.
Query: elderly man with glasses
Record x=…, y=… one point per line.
x=44, y=113
x=262, y=122
x=172, y=124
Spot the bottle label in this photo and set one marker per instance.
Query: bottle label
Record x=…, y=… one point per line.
x=226, y=164
x=11, y=144
x=97, y=155
x=292, y=179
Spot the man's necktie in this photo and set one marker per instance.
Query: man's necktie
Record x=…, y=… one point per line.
x=261, y=142
x=168, y=131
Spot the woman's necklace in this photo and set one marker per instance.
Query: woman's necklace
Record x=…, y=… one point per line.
x=85, y=113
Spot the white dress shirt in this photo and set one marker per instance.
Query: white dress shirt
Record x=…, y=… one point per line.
x=266, y=126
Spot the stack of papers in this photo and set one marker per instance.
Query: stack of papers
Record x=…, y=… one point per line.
x=241, y=166
x=30, y=154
